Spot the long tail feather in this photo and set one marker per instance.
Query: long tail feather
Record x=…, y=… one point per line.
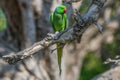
x=59, y=54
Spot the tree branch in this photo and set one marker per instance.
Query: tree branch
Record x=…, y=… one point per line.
x=112, y=74
x=70, y=34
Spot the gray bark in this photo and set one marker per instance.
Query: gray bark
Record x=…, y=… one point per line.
x=112, y=74
x=48, y=68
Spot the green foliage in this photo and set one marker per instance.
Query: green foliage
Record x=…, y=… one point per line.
x=92, y=66
x=113, y=48
x=114, y=6
x=3, y=23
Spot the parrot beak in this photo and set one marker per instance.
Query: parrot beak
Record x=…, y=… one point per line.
x=65, y=10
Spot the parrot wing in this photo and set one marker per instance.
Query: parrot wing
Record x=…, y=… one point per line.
x=51, y=21
x=66, y=20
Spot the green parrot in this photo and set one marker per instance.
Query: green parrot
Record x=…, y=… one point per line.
x=3, y=22
x=59, y=22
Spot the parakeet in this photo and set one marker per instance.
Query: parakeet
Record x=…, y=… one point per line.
x=3, y=22
x=59, y=22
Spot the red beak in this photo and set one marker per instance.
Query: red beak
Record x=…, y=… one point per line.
x=65, y=10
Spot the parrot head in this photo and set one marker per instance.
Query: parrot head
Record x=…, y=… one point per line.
x=61, y=9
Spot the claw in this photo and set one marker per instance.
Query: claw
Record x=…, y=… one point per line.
x=56, y=32
x=56, y=36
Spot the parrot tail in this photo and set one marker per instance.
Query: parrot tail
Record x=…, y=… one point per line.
x=59, y=54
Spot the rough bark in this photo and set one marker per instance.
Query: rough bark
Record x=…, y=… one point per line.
x=112, y=74
x=45, y=70
x=67, y=35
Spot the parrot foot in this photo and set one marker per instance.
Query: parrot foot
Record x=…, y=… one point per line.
x=56, y=36
x=56, y=32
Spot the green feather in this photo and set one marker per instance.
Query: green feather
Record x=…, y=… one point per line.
x=3, y=22
x=59, y=22
x=59, y=54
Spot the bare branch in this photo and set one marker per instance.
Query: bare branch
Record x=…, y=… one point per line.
x=116, y=61
x=112, y=74
x=70, y=34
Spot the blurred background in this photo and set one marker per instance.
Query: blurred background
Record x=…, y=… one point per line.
x=24, y=22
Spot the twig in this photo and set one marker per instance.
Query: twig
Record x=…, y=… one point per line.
x=115, y=61
x=70, y=34
x=51, y=51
